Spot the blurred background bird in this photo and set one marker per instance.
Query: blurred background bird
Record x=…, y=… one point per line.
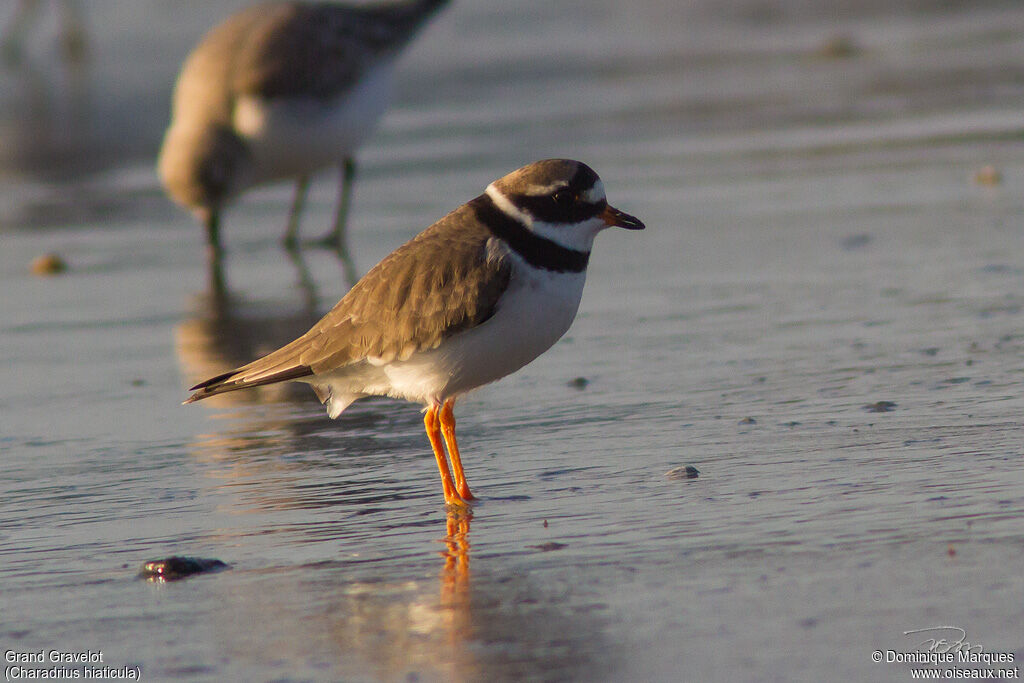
x=280, y=91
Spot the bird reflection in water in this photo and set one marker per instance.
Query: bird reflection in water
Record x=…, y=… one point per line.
x=455, y=574
x=331, y=566
x=223, y=331
x=455, y=598
x=289, y=480
x=217, y=280
x=383, y=611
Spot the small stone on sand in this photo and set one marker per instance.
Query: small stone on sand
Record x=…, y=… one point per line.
x=988, y=175
x=837, y=47
x=685, y=472
x=856, y=241
x=48, y=264
x=177, y=567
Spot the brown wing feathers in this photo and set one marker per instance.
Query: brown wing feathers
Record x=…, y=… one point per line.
x=283, y=54
x=443, y=281
x=224, y=383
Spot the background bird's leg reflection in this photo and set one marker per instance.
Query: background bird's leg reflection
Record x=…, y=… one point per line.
x=217, y=282
x=291, y=232
x=348, y=264
x=223, y=331
x=338, y=236
x=305, y=282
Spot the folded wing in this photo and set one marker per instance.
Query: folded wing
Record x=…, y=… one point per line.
x=445, y=280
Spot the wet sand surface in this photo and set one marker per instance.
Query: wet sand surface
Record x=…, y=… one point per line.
x=825, y=317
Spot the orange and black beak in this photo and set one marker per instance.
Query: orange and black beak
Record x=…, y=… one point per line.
x=620, y=219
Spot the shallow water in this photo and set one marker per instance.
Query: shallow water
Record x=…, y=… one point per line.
x=816, y=244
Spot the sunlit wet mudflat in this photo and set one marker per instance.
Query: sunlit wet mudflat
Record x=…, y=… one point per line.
x=824, y=317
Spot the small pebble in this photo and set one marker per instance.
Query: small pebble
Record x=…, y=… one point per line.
x=748, y=421
x=175, y=568
x=685, y=472
x=988, y=175
x=857, y=241
x=579, y=383
x=837, y=47
x=48, y=264
x=880, y=407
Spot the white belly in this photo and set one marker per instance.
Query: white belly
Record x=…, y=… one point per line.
x=296, y=136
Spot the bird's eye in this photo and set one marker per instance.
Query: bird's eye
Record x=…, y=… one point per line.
x=564, y=198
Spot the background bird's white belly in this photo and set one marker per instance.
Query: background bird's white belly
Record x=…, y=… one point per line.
x=535, y=311
x=292, y=136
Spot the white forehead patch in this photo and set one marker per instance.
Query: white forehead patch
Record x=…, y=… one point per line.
x=541, y=190
x=596, y=193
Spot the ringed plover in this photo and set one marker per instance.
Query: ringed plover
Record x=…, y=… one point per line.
x=474, y=297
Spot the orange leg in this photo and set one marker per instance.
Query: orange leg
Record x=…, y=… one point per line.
x=448, y=429
x=433, y=427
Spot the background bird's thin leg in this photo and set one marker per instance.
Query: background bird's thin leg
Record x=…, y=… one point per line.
x=336, y=237
x=214, y=254
x=448, y=429
x=72, y=34
x=433, y=427
x=291, y=232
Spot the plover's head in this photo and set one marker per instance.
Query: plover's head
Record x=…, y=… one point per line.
x=561, y=200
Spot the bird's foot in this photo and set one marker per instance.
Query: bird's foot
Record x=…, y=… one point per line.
x=457, y=503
